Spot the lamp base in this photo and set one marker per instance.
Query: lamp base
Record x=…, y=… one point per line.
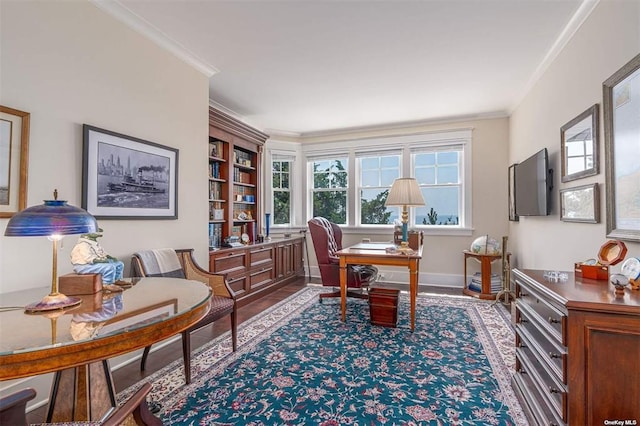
x=53, y=302
x=404, y=248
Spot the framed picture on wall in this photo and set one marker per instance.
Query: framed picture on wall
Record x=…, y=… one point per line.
x=579, y=145
x=128, y=178
x=14, y=160
x=580, y=204
x=621, y=93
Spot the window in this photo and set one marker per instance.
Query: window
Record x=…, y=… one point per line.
x=438, y=173
x=348, y=180
x=377, y=174
x=280, y=183
x=329, y=189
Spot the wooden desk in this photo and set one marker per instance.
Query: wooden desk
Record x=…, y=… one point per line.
x=358, y=256
x=77, y=349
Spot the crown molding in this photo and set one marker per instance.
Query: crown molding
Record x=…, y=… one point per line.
x=144, y=27
x=404, y=125
x=574, y=24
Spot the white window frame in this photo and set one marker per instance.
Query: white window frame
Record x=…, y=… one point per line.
x=310, y=181
x=358, y=204
x=282, y=159
x=406, y=143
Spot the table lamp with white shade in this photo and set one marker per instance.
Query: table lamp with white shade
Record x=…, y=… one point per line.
x=405, y=192
x=53, y=219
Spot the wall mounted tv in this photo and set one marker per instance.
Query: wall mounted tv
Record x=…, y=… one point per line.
x=533, y=184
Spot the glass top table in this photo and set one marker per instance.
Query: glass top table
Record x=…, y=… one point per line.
x=104, y=325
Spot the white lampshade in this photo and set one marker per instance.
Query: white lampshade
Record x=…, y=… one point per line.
x=405, y=192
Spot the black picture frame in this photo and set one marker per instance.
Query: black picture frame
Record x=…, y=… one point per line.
x=124, y=177
x=513, y=217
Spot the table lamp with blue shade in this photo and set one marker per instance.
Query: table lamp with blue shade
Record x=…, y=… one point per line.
x=405, y=192
x=53, y=219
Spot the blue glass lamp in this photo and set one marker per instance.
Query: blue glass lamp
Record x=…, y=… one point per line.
x=405, y=192
x=53, y=219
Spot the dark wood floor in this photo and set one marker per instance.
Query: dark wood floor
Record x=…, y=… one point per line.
x=130, y=374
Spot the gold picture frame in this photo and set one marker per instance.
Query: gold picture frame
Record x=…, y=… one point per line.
x=14, y=160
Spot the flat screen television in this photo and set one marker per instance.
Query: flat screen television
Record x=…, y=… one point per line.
x=533, y=182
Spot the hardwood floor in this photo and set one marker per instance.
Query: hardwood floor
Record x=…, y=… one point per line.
x=130, y=374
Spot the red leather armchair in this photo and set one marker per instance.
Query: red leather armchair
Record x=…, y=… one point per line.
x=327, y=239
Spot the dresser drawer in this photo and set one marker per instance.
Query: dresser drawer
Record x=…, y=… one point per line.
x=543, y=344
x=232, y=263
x=551, y=390
x=553, y=320
x=533, y=403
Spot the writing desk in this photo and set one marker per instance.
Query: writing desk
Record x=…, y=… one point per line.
x=76, y=343
x=375, y=254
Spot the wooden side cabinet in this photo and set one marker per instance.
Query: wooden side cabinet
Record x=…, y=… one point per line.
x=577, y=351
x=255, y=270
x=485, y=291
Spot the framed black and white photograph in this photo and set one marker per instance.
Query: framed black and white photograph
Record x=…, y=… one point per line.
x=14, y=160
x=579, y=145
x=621, y=93
x=580, y=204
x=128, y=178
x=512, y=194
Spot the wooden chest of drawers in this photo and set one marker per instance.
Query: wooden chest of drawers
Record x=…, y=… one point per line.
x=562, y=328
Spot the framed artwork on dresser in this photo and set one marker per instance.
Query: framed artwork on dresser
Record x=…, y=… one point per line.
x=128, y=178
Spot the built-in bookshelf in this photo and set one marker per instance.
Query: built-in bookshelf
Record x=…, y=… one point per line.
x=235, y=151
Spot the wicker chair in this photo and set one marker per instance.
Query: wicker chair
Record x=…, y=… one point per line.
x=223, y=301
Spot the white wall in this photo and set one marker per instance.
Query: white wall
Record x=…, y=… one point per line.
x=69, y=63
x=607, y=40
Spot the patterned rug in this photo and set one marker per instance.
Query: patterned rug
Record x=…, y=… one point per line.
x=298, y=364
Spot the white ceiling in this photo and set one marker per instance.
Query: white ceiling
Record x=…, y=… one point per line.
x=308, y=67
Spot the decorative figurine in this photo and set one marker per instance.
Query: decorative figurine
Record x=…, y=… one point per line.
x=88, y=257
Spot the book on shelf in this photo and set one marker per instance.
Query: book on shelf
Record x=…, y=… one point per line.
x=216, y=148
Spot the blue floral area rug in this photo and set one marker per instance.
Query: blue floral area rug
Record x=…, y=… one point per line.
x=298, y=364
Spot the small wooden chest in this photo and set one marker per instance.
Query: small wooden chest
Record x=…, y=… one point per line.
x=383, y=306
x=77, y=284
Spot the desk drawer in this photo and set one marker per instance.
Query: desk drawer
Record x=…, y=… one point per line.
x=553, y=320
x=532, y=402
x=544, y=345
x=553, y=392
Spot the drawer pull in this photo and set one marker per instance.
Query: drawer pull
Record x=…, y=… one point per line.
x=521, y=371
x=523, y=320
x=553, y=320
x=553, y=390
x=524, y=294
x=554, y=355
x=522, y=345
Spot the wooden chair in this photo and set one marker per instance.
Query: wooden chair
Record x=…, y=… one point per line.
x=13, y=410
x=158, y=263
x=327, y=239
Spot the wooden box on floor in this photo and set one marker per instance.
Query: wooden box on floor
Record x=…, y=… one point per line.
x=383, y=306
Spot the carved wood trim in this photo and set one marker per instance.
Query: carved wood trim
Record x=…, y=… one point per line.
x=235, y=127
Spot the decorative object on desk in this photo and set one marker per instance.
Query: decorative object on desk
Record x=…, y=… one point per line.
x=631, y=268
x=267, y=224
x=405, y=192
x=14, y=160
x=611, y=253
x=471, y=341
x=53, y=219
x=579, y=145
x=485, y=245
x=88, y=257
x=621, y=127
x=142, y=184
x=619, y=281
